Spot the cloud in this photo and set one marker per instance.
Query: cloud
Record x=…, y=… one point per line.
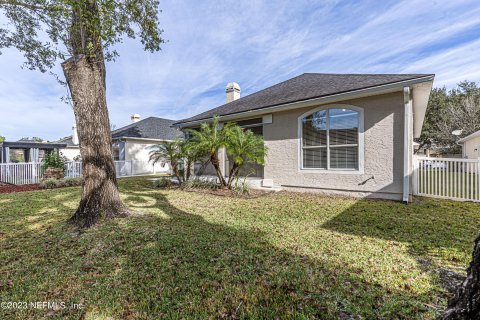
x=257, y=44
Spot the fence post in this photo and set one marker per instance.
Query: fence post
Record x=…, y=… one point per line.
x=415, y=174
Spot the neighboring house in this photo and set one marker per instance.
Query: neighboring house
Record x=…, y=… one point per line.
x=132, y=142
x=349, y=134
x=27, y=151
x=471, y=146
x=71, y=151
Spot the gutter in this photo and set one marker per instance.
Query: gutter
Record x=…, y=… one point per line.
x=141, y=139
x=407, y=142
x=359, y=93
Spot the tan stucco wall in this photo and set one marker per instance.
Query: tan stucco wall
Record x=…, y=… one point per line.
x=383, y=150
x=469, y=147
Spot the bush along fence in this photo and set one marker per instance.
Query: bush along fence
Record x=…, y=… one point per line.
x=30, y=173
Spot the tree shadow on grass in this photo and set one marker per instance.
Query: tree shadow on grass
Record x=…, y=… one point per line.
x=440, y=231
x=170, y=263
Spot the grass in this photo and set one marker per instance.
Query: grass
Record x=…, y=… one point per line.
x=189, y=255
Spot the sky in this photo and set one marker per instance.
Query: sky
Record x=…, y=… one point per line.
x=256, y=44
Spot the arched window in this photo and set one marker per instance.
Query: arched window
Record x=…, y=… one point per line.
x=331, y=138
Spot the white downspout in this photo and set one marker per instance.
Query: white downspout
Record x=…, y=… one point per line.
x=407, y=156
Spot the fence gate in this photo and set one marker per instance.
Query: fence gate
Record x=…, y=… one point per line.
x=448, y=178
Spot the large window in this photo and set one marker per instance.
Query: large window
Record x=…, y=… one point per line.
x=330, y=139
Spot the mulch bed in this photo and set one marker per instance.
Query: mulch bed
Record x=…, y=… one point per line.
x=11, y=188
x=228, y=193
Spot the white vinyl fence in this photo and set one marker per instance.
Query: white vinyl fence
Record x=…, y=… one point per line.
x=448, y=178
x=21, y=173
x=27, y=173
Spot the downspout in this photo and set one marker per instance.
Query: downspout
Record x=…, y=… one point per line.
x=407, y=157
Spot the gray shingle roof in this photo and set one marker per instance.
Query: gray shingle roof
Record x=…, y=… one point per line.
x=150, y=128
x=29, y=144
x=68, y=140
x=303, y=87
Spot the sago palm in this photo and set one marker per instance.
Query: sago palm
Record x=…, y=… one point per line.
x=168, y=151
x=244, y=147
x=209, y=139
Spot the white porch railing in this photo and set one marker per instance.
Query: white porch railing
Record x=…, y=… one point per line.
x=27, y=173
x=448, y=178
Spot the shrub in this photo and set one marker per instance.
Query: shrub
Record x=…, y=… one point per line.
x=50, y=183
x=241, y=187
x=200, y=184
x=53, y=160
x=163, y=183
x=72, y=182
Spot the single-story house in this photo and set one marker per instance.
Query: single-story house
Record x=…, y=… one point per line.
x=349, y=134
x=132, y=142
x=471, y=146
x=27, y=151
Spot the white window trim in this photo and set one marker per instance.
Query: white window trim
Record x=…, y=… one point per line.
x=361, y=141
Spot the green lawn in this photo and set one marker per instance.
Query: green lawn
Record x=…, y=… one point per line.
x=192, y=255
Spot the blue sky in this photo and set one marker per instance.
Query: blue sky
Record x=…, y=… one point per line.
x=257, y=44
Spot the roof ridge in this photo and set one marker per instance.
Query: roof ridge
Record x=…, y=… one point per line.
x=369, y=74
x=307, y=86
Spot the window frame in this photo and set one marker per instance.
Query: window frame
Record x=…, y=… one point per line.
x=361, y=152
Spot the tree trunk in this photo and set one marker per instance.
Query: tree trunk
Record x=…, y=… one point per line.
x=466, y=304
x=216, y=164
x=100, y=196
x=188, y=169
x=176, y=173
x=232, y=175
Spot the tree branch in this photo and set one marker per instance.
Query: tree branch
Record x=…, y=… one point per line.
x=29, y=6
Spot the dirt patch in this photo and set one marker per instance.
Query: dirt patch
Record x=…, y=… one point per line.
x=11, y=188
x=449, y=280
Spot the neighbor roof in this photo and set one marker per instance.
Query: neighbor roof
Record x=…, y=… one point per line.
x=149, y=128
x=471, y=136
x=304, y=87
x=30, y=144
x=68, y=141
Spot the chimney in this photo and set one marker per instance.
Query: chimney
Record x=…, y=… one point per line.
x=135, y=118
x=233, y=91
x=74, y=135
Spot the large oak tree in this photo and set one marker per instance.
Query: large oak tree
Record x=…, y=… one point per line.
x=82, y=34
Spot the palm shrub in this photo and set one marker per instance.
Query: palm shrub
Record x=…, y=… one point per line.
x=244, y=147
x=170, y=152
x=191, y=154
x=208, y=140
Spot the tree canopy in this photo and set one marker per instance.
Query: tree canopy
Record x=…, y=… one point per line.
x=43, y=29
x=36, y=139
x=447, y=111
x=82, y=33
